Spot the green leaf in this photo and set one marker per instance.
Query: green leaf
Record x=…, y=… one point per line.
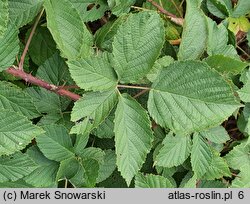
x=189, y=181
x=242, y=8
x=211, y=184
x=45, y=175
x=55, y=143
x=90, y=172
x=133, y=136
x=46, y=101
x=159, y=64
x=195, y=23
x=219, y=8
x=15, y=167
x=92, y=153
x=137, y=45
x=105, y=129
x=91, y=110
x=9, y=47
x=16, y=131
x=217, y=169
x=4, y=16
x=244, y=93
x=15, y=184
x=22, y=12
x=42, y=46
x=243, y=179
x=15, y=99
x=217, y=135
x=105, y=35
x=90, y=10
x=173, y=6
x=68, y=168
x=93, y=74
x=54, y=70
x=201, y=156
x=189, y=96
x=238, y=157
x=107, y=167
x=238, y=24
x=152, y=181
x=119, y=7
x=175, y=150
x=70, y=33
x=225, y=64
x=81, y=142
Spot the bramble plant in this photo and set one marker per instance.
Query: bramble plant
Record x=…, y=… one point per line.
x=112, y=93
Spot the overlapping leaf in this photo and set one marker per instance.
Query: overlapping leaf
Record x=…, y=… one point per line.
x=15, y=99
x=15, y=167
x=195, y=22
x=24, y=11
x=93, y=74
x=175, y=150
x=91, y=110
x=217, y=135
x=16, y=131
x=55, y=143
x=152, y=181
x=189, y=96
x=4, y=16
x=70, y=33
x=133, y=136
x=137, y=45
x=9, y=47
x=201, y=156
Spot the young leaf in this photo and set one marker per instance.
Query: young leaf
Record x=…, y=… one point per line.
x=152, y=181
x=225, y=64
x=189, y=96
x=15, y=99
x=81, y=142
x=106, y=129
x=217, y=135
x=194, y=25
x=90, y=10
x=90, y=172
x=91, y=110
x=244, y=92
x=45, y=175
x=94, y=74
x=55, y=143
x=9, y=47
x=137, y=45
x=15, y=167
x=23, y=11
x=70, y=33
x=16, y=131
x=133, y=136
x=4, y=16
x=92, y=153
x=201, y=156
x=175, y=150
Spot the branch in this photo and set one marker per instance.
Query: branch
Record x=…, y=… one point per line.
x=20, y=66
x=133, y=87
x=50, y=87
x=171, y=16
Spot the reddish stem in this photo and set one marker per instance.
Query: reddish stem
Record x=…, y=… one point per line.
x=33, y=80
